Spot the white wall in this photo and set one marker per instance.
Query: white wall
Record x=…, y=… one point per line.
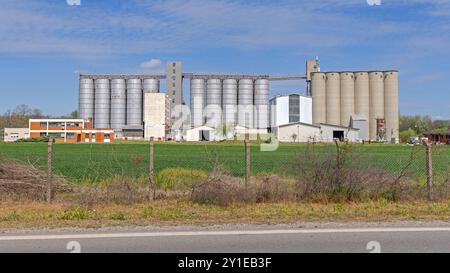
x=13, y=134
x=304, y=133
x=154, y=115
x=306, y=110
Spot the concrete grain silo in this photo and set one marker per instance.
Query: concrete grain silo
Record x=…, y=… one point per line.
x=347, y=97
x=197, y=102
x=134, y=102
x=318, y=90
x=118, y=104
x=376, y=90
x=229, y=102
x=261, y=102
x=214, y=103
x=245, y=103
x=333, y=98
x=102, y=104
x=86, y=99
x=391, y=111
x=362, y=99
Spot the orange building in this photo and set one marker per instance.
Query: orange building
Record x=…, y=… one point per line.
x=69, y=130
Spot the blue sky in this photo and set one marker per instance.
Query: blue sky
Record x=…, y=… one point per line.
x=44, y=44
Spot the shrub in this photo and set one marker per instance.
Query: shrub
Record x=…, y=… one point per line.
x=118, y=216
x=179, y=179
x=76, y=213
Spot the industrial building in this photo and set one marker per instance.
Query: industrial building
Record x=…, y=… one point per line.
x=13, y=134
x=366, y=101
x=305, y=132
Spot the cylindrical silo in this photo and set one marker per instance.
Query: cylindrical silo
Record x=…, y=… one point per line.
x=229, y=102
x=333, y=100
x=376, y=91
x=214, y=102
x=347, y=97
x=261, y=100
x=86, y=99
x=391, y=111
x=102, y=104
x=318, y=92
x=151, y=86
x=197, y=102
x=134, y=102
x=362, y=101
x=245, y=103
x=118, y=104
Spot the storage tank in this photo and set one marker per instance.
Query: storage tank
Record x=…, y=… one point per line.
x=333, y=98
x=86, y=99
x=347, y=97
x=261, y=100
x=391, y=111
x=376, y=109
x=245, y=103
x=118, y=104
x=102, y=104
x=229, y=102
x=197, y=102
x=362, y=101
x=151, y=86
x=318, y=90
x=134, y=102
x=213, y=102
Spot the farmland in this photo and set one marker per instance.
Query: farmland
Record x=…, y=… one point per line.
x=79, y=162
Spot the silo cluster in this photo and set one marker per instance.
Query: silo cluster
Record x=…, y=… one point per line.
x=230, y=101
x=337, y=96
x=114, y=103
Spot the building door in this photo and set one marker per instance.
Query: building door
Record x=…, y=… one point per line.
x=339, y=135
x=204, y=135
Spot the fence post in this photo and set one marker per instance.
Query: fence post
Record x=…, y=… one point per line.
x=247, y=163
x=338, y=153
x=429, y=167
x=152, y=170
x=49, y=170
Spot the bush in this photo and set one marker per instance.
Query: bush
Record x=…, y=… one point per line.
x=178, y=179
x=76, y=213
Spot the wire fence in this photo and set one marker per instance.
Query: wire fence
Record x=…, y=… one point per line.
x=98, y=162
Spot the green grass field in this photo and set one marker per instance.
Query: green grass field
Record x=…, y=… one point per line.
x=78, y=162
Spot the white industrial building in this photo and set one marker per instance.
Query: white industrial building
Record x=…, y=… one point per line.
x=156, y=115
x=290, y=108
x=303, y=132
x=13, y=134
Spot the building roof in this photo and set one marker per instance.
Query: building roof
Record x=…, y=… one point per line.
x=299, y=123
x=339, y=126
x=287, y=95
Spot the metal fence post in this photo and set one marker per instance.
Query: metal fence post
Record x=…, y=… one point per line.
x=49, y=170
x=152, y=170
x=247, y=163
x=429, y=167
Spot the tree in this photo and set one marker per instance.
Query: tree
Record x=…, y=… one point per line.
x=294, y=136
x=224, y=130
x=74, y=114
x=406, y=135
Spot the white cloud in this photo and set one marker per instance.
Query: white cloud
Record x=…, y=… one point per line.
x=152, y=64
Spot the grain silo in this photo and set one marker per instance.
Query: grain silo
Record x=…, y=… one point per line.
x=376, y=109
x=118, y=104
x=362, y=99
x=229, y=102
x=318, y=90
x=347, y=97
x=134, y=102
x=102, y=104
x=333, y=98
x=197, y=101
x=391, y=111
x=150, y=86
x=245, y=103
x=86, y=99
x=261, y=101
x=214, y=102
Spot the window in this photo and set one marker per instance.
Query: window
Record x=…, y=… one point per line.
x=174, y=71
x=174, y=64
x=173, y=101
x=294, y=108
x=70, y=136
x=106, y=136
x=43, y=124
x=173, y=92
x=173, y=84
x=174, y=78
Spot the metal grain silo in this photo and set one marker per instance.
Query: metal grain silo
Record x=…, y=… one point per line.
x=245, y=103
x=134, y=102
x=229, y=102
x=376, y=109
x=318, y=90
x=391, y=111
x=102, y=104
x=362, y=100
x=214, y=102
x=261, y=101
x=118, y=104
x=86, y=99
x=333, y=100
x=197, y=102
x=151, y=86
x=347, y=97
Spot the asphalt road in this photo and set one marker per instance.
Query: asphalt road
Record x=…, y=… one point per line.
x=387, y=238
